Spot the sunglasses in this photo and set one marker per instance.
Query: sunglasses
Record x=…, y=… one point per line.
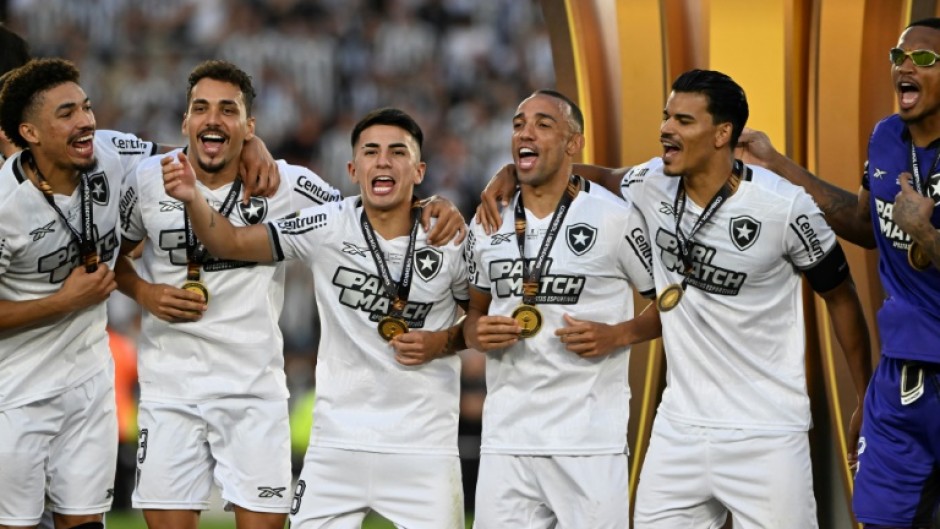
x=922, y=58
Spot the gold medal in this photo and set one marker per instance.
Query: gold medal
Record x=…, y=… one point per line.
x=199, y=288
x=917, y=257
x=390, y=327
x=669, y=298
x=529, y=318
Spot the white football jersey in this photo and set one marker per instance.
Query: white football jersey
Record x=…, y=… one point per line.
x=37, y=253
x=541, y=398
x=365, y=399
x=237, y=347
x=735, y=343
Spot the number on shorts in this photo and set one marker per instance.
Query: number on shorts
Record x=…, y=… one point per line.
x=142, y=445
x=298, y=496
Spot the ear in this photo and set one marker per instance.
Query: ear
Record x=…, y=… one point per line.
x=419, y=172
x=351, y=169
x=723, y=135
x=29, y=133
x=575, y=144
x=251, y=129
x=185, y=126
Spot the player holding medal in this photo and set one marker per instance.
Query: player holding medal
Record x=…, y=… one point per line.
x=385, y=423
x=562, y=262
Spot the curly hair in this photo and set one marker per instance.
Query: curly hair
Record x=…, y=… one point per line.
x=226, y=72
x=23, y=89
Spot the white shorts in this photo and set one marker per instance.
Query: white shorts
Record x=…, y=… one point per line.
x=338, y=488
x=534, y=492
x=63, y=447
x=242, y=443
x=693, y=476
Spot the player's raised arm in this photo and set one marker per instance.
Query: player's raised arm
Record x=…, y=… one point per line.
x=250, y=243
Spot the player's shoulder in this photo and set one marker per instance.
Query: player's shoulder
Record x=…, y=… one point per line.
x=769, y=182
x=307, y=183
x=891, y=127
x=122, y=143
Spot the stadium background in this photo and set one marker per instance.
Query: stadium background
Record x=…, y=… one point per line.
x=815, y=72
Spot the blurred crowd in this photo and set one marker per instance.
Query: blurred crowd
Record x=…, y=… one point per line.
x=459, y=66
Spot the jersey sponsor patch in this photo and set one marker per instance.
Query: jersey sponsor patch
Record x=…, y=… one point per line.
x=60, y=262
x=744, y=231
x=507, y=275
x=580, y=238
x=705, y=275
x=807, y=234
x=428, y=262
x=314, y=192
x=366, y=292
x=42, y=231
x=298, y=225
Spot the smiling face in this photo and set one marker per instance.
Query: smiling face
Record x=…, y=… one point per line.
x=543, y=140
x=689, y=136
x=918, y=87
x=217, y=125
x=387, y=166
x=60, y=128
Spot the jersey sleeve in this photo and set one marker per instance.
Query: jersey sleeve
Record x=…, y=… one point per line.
x=812, y=245
x=300, y=235
x=307, y=188
x=8, y=242
x=636, y=255
x=132, y=222
x=476, y=276
x=130, y=149
x=459, y=285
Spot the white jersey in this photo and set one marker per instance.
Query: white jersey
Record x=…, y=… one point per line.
x=236, y=348
x=37, y=253
x=542, y=399
x=735, y=343
x=365, y=399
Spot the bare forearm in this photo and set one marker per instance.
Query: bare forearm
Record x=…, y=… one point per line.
x=21, y=314
x=851, y=330
x=644, y=327
x=840, y=206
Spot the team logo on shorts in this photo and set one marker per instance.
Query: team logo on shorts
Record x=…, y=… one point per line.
x=581, y=238
x=254, y=211
x=100, y=193
x=428, y=262
x=744, y=232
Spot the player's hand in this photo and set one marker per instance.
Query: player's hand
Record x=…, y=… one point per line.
x=495, y=196
x=259, y=169
x=496, y=332
x=179, y=179
x=912, y=210
x=171, y=304
x=83, y=289
x=855, y=428
x=588, y=339
x=450, y=223
x=754, y=147
x=414, y=348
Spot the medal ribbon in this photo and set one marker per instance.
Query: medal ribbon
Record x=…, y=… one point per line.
x=530, y=285
x=685, y=241
x=196, y=252
x=85, y=239
x=398, y=291
x=919, y=185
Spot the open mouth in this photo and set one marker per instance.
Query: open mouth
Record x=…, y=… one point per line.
x=670, y=149
x=908, y=94
x=382, y=185
x=212, y=142
x=527, y=158
x=84, y=145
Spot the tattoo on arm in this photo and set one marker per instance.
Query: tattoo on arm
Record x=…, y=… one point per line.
x=212, y=220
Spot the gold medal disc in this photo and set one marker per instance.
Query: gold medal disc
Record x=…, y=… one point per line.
x=529, y=318
x=917, y=257
x=199, y=288
x=669, y=298
x=390, y=327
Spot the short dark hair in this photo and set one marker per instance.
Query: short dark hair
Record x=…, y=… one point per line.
x=22, y=90
x=226, y=72
x=577, y=117
x=388, y=116
x=932, y=22
x=14, y=50
x=726, y=100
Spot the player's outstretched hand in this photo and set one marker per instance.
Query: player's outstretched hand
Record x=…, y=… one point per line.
x=172, y=304
x=179, y=179
x=414, y=348
x=587, y=338
x=259, y=170
x=450, y=223
x=496, y=332
x=83, y=289
x=495, y=196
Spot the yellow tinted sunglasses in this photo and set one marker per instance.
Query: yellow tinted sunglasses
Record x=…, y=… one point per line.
x=922, y=58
